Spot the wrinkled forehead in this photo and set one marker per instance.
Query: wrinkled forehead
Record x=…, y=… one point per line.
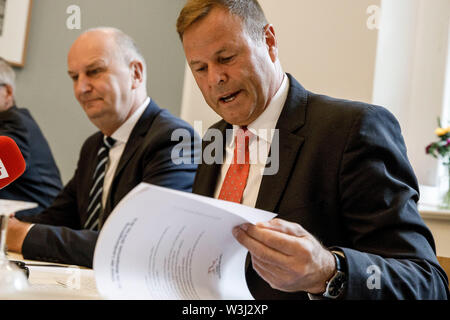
x=92, y=47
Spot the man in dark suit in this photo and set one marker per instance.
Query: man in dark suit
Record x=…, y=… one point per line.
x=343, y=188
x=109, y=81
x=41, y=181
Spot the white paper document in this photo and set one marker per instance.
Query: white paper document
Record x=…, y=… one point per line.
x=11, y=206
x=159, y=243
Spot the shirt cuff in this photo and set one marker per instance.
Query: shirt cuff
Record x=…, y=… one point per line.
x=316, y=297
x=31, y=226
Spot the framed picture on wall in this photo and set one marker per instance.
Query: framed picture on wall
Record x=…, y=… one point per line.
x=14, y=23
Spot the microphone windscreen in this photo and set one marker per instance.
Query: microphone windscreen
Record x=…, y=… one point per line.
x=12, y=163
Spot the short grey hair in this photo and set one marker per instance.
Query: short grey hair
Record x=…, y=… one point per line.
x=7, y=74
x=130, y=51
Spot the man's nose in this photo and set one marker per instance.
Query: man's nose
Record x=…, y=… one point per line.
x=216, y=75
x=83, y=84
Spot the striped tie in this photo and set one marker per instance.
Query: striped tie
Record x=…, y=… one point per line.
x=95, y=195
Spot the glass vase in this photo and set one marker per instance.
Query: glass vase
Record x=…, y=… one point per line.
x=445, y=193
x=12, y=279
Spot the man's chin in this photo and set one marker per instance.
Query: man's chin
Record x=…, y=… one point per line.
x=93, y=107
x=236, y=120
x=93, y=103
x=93, y=113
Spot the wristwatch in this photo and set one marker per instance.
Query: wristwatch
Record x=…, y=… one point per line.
x=336, y=285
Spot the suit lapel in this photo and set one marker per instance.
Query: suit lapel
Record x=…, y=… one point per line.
x=206, y=179
x=139, y=131
x=273, y=186
x=88, y=166
x=292, y=118
x=207, y=174
x=134, y=142
x=97, y=143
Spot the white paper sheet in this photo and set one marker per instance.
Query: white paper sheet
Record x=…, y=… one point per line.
x=164, y=244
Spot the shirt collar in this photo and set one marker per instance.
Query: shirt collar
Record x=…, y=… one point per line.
x=264, y=125
x=123, y=133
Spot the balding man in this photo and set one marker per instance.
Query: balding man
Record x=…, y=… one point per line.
x=134, y=145
x=41, y=181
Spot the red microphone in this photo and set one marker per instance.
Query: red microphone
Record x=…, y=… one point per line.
x=12, y=163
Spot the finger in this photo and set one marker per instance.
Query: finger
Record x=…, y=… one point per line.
x=284, y=226
x=258, y=249
x=277, y=240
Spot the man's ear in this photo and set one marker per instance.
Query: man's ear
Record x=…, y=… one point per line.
x=137, y=73
x=9, y=95
x=271, y=42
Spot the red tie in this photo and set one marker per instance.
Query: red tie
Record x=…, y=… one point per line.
x=236, y=179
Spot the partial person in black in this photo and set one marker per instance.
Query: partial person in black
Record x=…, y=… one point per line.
x=41, y=181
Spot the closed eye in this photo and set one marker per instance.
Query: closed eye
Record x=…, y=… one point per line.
x=226, y=59
x=94, y=72
x=200, y=69
x=74, y=77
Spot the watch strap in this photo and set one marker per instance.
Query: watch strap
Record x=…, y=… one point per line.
x=336, y=285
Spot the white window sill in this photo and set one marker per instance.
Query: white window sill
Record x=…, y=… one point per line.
x=433, y=212
x=428, y=204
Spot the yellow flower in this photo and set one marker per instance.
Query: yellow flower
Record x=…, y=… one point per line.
x=441, y=131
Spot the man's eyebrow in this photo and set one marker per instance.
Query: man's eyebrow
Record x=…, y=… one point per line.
x=220, y=51
x=194, y=62
x=95, y=64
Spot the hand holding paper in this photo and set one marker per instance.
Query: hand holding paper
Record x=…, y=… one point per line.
x=286, y=256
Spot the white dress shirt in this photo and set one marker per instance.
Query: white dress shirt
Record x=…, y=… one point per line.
x=262, y=129
x=121, y=136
